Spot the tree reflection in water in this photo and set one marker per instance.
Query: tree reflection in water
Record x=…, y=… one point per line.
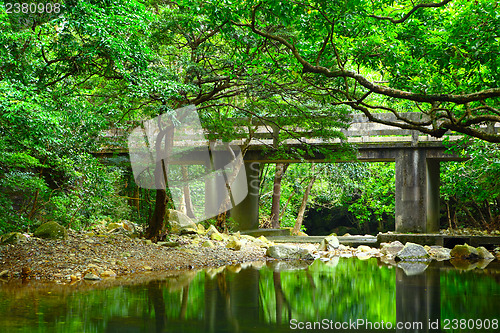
x=260, y=298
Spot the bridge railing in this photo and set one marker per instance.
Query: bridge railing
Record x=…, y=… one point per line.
x=266, y=132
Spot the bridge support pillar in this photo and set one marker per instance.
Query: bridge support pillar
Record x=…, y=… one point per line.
x=417, y=192
x=246, y=213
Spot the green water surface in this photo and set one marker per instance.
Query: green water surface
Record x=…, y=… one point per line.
x=272, y=297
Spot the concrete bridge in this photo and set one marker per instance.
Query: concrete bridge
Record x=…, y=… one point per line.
x=417, y=160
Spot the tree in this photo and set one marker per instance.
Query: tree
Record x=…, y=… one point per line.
x=275, y=206
x=303, y=205
x=471, y=189
x=438, y=59
x=63, y=80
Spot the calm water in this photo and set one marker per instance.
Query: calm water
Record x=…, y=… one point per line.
x=362, y=296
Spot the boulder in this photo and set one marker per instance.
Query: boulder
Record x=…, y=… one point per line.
x=329, y=243
x=484, y=253
x=180, y=223
x=13, y=238
x=411, y=252
x=51, y=230
x=438, y=253
x=288, y=252
x=464, y=252
x=391, y=249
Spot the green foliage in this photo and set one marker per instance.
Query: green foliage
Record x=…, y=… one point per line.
x=364, y=189
x=471, y=188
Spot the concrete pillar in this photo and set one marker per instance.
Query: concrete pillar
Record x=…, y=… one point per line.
x=418, y=301
x=417, y=192
x=432, y=195
x=410, y=195
x=246, y=213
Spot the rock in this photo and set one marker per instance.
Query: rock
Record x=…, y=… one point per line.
x=201, y=229
x=288, y=252
x=412, y=251
x=129, y=226
x=189, y=231
x=180, y=222
x=343, y=247
x=234, y=245
x=217, y=236
x=263, y=238
x=51, y=230
x=484, y=253
x=364, y=248
x=392, y=249
x=464, y=252
x=329, y=243
x=13, y=238
x=91, y=276
x=438, y=253
x=147, y=268
x=413, y=268
x=208, y=243
x=169, y=244
x=108, y=273
x=114, y=225
x=211, y=230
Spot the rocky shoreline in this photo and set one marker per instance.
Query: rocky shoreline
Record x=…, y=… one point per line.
x=112, y=250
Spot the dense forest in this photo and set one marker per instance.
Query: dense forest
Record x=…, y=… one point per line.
x=68, y=76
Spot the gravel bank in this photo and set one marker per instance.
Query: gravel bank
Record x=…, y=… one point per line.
x=107, y=255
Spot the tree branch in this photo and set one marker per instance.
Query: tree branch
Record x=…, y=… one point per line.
x=413, y=10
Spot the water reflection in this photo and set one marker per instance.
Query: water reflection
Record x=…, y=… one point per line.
x=277, y=296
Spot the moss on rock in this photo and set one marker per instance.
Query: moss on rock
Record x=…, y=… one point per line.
x=51, y=230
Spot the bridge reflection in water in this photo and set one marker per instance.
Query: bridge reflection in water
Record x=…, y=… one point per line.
x=272, y=296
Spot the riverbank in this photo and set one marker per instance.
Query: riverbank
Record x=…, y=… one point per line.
x=89, y=256
x=103, y=254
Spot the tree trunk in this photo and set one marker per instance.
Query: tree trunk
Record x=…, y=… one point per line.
x=159, y=215
x=163, y=145
x=275, y=207
x=303, y=205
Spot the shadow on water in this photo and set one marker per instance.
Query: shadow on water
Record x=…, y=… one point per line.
x=348, y=295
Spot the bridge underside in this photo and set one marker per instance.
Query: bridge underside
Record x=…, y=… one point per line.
x=417, y=179
x=417, y=183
